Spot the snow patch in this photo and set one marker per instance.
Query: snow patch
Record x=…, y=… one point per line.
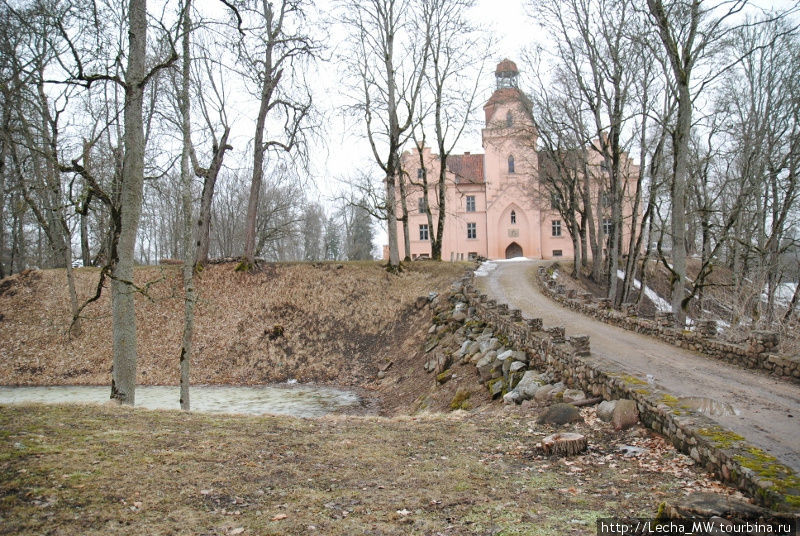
x=485, y=268
x=661, y=304
x=783, y=293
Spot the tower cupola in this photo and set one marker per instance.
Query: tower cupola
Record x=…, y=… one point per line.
x=506, y=74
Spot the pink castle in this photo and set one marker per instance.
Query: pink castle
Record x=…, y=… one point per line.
x=495, y=206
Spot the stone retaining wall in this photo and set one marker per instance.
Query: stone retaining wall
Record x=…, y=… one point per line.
x=756, y=354
x=720, y=451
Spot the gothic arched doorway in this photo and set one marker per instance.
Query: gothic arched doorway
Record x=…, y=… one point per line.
x=513, y=250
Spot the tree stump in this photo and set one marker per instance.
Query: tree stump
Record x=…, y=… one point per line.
x=563, y=444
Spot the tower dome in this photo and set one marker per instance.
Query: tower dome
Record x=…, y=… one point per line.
x=506, y=74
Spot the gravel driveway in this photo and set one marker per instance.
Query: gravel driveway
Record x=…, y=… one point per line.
x=768, y=409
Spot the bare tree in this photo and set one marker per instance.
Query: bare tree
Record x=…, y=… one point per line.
x=387, y=58
x=271, y=52
x=458, y=53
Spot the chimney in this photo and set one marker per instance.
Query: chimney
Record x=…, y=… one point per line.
x=466, y=153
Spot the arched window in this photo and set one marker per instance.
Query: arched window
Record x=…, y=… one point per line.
x=513, y=217
x=509, y=119
x=511, y=164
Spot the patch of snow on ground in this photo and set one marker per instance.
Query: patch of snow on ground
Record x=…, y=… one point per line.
x=783, y=294
x=661, y=304
x=515, y=259
x=485, y=268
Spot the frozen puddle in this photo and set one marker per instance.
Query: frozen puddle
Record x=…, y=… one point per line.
x=296, y=400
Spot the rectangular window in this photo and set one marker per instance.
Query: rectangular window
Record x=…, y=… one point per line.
x=556, y=227
x=555, y=200
x=557, y=253
x=422, y=205
x=472, y=255
x=421, y=173
x=608, y=226
x=423, y=231
x=470, y=203
x=605, y=199
x=472, y=231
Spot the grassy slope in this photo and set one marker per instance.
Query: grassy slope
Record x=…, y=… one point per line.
x=102, y=470
x=340, y=323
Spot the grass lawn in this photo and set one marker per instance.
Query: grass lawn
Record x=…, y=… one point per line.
x=74, y=469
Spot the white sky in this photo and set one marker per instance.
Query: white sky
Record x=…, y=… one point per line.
x=345, y=149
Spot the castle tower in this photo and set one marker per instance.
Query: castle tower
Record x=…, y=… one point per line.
x=511, y=163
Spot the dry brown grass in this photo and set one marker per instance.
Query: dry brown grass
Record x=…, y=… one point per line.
x=93, y=470
x=339, y=323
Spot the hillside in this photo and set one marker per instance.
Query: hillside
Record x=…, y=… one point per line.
x=330, y=323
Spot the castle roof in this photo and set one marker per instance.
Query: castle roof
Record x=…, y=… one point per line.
x=468, y=168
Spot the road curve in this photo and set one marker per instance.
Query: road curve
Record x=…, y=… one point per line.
x=768, y=408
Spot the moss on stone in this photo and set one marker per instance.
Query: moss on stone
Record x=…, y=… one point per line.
x=445, y=376
x=720, y=437
x=627, y=378
x=461, y=400
x=785, y=482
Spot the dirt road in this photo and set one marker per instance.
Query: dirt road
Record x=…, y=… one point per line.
x=768, y=409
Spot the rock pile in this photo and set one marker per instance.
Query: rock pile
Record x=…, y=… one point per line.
x=458, y=337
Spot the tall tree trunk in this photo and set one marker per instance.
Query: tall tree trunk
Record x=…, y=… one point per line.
x=189, y=242
x=597, y=257
x=123, y=376
x=209, y=182
x=404, y=216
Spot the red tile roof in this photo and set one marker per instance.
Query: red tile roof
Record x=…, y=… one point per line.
x=468, y=168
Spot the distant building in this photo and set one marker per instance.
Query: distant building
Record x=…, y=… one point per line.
x=495, y=208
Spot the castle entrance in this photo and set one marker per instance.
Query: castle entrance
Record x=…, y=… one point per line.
x=513, y=250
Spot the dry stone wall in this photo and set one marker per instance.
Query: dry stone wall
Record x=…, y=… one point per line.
x=757, y=353
x=568, y=359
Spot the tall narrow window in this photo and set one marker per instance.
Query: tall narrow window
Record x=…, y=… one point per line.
x=509, y=119
x=555, y=200
x=511, y=164
x=556, y=227
x=472, y=231
x=513, y=217
x=421, y=173
x=470, y=203
x=608, y=226
x=423, y=232
x=422, y=205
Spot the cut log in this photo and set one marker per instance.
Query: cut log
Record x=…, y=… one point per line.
x=563, y=444
x=587, y=402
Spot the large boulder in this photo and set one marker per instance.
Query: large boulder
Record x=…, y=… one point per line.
x=625, y=415
x=560, y=414
x=511, y=397
x=490, y=344
x=528, y=385
x=544, y=393
x=516, y=366
x=484, y=366
x=573, y=395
